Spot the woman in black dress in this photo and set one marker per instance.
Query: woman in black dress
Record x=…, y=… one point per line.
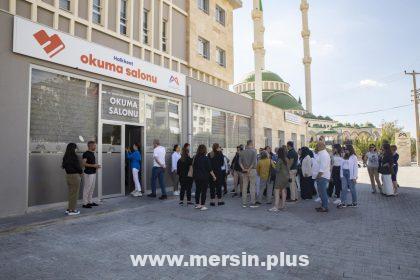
x=217, y=161
x=183, y=167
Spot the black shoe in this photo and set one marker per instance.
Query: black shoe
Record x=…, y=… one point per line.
x=163, y=197
x=258, y=203
x=212, y=204
x=190, y=203
x=181, y=203
x=341, y=206
x=235, y=195
x=233, y=191
x=220, y=203
x=353, y=205
x=93, y=204
x=225, y=192
x=151, y=195
x=289, y=200
x=87, y=206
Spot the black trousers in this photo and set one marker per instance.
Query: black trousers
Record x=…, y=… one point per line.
x=306, y=187
x=186, y=185
x=201, y=191
x=335, y=182
x=216, y=189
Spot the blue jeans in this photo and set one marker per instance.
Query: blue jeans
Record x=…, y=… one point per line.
x=158, y=173
x=346, y=183
x=322, y=185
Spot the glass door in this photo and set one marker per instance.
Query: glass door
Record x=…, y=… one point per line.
x=112, y=159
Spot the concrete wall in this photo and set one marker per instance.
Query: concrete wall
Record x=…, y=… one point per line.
x=14, y=84
x=219, y=98
x=268, y=116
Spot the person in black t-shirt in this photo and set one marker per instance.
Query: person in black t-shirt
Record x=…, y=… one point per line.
x=89, y=178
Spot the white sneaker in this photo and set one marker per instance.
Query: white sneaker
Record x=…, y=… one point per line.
x=73, y=213
x=318, y=199
x=139, y=194
x=176, y=193
x=134, y=193
x=274, y=209
x=204, y=208
x=198, y=207
x=337, y=201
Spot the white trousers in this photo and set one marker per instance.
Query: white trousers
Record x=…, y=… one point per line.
x=387, y=186
x=136, y=179
x=88, y=187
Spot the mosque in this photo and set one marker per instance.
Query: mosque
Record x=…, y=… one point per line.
x=280, y=117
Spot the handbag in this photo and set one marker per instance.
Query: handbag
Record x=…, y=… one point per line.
x=190, y=171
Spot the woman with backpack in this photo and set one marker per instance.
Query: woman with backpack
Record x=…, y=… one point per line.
x=74, y=174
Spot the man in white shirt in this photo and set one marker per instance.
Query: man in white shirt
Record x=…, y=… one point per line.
x=176, y=155
x=158, y=170
x=323, y=176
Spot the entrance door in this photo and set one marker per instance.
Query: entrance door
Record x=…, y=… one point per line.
x=133, y=134
x=112, y=159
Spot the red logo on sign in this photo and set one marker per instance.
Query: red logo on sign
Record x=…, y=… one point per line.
x=174, y=80
x=52, y=44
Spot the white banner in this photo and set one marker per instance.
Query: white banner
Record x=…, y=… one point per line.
x=292, y=118
x=45, y=43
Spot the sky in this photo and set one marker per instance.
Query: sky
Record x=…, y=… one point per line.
x=359, y=51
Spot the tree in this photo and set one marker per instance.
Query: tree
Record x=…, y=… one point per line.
x=361, y=144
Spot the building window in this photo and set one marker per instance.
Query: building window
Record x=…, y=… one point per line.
x=145, y=27
x=54, y=99
x=302, y=140
x=204, y=48
x=123, y=17
x=282, y=140
x=221, y=57
x=294, y=139
x=96, y=11
x=163, y=122
x=220, y=15
x=65, y=5
x=164, y=38
x=203, y=5
x=268, y=137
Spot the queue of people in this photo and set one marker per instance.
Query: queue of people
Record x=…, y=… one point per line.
x=274, y=177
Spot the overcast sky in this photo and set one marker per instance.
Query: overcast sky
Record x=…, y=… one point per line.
x=360, y=50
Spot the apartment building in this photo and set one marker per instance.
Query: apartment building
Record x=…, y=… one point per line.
x=117, y=72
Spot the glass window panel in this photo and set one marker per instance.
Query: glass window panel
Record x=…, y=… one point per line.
x=163, y=122
x=122, y=105
x=63, y=110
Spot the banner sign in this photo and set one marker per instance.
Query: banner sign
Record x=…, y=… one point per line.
x=292, y=118
x=45, y=43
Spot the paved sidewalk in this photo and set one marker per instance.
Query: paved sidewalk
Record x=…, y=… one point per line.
x=378, y=240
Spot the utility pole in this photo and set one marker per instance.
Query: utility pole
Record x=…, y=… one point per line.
x=416, y=110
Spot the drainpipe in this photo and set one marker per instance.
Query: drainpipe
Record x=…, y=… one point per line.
x=189, y=102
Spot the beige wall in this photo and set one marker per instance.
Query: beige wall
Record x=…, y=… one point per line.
x=205, y=25
x=268, y=116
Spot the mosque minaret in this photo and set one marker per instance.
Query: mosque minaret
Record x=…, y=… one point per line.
x=307, y=59
x=258, y=46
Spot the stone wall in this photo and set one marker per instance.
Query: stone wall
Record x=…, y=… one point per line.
x=268, y=116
